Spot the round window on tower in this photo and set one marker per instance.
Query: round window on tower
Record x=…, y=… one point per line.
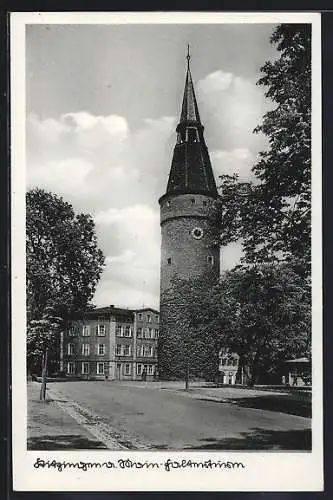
x=197, y=233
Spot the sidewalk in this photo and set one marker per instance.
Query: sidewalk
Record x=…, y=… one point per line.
x=50, y=427
x=293, y=403
x=283, y=401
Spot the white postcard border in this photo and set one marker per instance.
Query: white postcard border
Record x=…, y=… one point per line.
x=264, y=471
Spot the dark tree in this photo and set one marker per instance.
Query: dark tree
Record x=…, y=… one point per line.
x=184, y=343
x=271, y=319
x=63, y=267
x=272, y=215
x=263, y=313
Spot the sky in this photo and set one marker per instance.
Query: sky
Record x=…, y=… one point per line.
x=102, y=104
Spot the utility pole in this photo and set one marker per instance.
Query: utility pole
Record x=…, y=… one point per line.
x=187, y=377
x=42, y=395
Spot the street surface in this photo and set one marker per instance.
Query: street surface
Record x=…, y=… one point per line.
x=165, y=417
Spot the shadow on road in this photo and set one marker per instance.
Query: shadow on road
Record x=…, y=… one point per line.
x=290, y=405
x=260, y=439
x=64, y=442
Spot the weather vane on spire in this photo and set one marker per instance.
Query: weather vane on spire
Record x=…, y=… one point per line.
x=188, y=57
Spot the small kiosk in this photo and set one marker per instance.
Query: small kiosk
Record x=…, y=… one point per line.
x=298, y=372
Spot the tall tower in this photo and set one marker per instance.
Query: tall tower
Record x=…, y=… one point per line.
x=189, y=245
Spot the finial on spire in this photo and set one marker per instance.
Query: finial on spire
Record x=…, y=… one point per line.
x=188, y=57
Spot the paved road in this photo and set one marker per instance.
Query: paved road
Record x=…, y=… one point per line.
x=147, y=417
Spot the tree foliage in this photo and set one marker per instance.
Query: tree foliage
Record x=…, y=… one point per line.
x=272, y=215
x=263, y=313
x=63, y=266
x=184, y=344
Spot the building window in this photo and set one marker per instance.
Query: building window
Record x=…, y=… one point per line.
x=70, y=349
x=139, y=369
x=210, y=259
x=85, y=349
x=101, y=349
x=139, y=351
x=193, y=201
x=148, y=351
x=70, y=368
x=118, y=349
x=140, y=316
x=150, y=369
x=224, y=361
x=148, y=318
x=157, y=319
x=100, y=368
x=127, y=369
x=100, y=330
x=169, y=261
x=204, y=203
x=168, y=203
x=127, y=350
x=119, y=331
x=127, y=332
x=85, y=331
x=156, y=333
x=139, y=332
x=71, y=332
x=85, y=368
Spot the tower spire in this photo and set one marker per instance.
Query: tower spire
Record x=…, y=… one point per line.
x=190, y=111
x=188, y=57
x=191, y=170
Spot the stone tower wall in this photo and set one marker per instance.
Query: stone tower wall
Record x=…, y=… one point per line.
x=183, y=255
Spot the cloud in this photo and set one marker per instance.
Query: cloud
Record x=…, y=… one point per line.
x=61, y=176
x=235, y=106
x=127, y=166
x=103, y=167
x=132, y=265
x=239, y=160
x=112, y=124
x=48, y=130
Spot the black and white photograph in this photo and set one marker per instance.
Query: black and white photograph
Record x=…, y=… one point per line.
x=166, y=218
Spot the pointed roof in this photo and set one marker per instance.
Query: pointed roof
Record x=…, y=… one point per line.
x=191, y=171
x=190, y=111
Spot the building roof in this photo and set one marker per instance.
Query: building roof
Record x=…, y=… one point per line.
x=111, y=310
x=146, y=309
x=191, y=171
x=298, y=360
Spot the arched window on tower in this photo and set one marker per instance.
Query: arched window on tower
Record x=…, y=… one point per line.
x=192, y=134
x=181, y=137
x=210, y=259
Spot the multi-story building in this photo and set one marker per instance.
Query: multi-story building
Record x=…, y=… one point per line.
x=112, y=343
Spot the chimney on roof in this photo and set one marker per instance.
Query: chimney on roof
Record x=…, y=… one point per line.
x=111, y=305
